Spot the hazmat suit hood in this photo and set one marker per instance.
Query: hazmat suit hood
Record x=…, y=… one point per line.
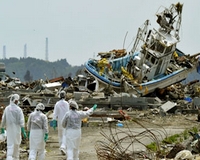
x=40, y=106
x=73, y=104
x=62, y=94
x=13, y=98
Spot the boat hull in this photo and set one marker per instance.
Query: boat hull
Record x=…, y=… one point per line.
x=138, y=89
x=102, y=82
x=149, y=87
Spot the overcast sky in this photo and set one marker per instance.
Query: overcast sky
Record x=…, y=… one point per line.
x=78, y=30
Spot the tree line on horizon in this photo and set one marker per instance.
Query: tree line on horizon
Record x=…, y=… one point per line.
x=31, y=69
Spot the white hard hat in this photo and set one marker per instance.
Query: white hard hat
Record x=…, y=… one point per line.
x=40, y=106
x=72, y=103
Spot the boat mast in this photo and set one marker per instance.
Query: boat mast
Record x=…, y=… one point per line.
x=140, y=36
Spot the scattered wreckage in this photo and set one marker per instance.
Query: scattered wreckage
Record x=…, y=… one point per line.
x=184, y=95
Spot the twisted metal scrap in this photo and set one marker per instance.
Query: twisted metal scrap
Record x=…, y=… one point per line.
x=120, y=143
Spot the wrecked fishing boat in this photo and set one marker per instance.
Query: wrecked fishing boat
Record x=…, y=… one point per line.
x=154, y=61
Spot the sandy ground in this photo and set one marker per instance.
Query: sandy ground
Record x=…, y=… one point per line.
x=92, y=133
x=87, y=151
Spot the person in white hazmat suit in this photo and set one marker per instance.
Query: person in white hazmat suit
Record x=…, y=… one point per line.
x=13, y=120
x=72, y=124
x=60, y=108
x=37, y=127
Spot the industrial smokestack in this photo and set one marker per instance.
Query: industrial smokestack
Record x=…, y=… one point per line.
x=4, y=52
x=25, y=51
x=47, y=56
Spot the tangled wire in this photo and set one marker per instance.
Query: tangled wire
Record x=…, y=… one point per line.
x=123, y=143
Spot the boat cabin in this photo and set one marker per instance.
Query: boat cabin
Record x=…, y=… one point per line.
x=157, y=55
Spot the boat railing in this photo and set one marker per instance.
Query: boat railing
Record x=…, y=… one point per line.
x=91, y=66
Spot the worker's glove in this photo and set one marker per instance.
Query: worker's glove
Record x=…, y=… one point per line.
x=28, y=134
x=2, y=131
x=23, y=132
x=54, y=124
x=94, y=107
x=46, y=137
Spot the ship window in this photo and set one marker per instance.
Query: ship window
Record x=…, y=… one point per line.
x=152, y=46
x=168, y=49
x=153, y=60
x=160, y=47
x=148, y=56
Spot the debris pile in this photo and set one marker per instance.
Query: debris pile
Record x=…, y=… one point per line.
x=79, y=88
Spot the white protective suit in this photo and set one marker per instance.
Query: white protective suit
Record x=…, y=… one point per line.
x=60, y=108
x=13, y=120
x=37, y=125
x=72, y=123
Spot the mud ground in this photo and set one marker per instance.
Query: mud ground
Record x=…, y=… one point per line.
x=92, y=133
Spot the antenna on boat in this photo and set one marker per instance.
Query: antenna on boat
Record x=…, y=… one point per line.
x=125, y=39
